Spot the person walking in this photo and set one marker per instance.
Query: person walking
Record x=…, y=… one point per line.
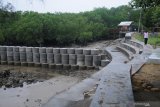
x=145, y=37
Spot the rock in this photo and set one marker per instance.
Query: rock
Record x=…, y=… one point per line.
x=27, y=99
x=8, y=85
x=149, y=87
x=136, y=88
x=86, y=95
x=155, y=89
x=144, y=85
x=146, y=90
x=21, y=84
x=156, y=84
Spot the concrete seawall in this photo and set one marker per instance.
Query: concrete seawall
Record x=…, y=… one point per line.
x=60, y=58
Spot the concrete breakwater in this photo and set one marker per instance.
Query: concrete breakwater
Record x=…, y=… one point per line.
x=55, y=58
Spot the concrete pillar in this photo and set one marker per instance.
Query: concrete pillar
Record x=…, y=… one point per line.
x=42, y=50
x=103, y=57
x=80, y=59
x=104, y=62
x=9, y=53
x=49, y=50
x=57, y=58
x=22, y=49
x=78, y=51
x=86, y=51
x=96, y=60
x=36, y=57
x=16, y=56
x=28, y=49
x=71, y=51
x=16, y=49
x=29, y=56
x=3, y=56
x=9, y=48
x=95, y=52
x=63, y=51
x=43, y=58
x=50, y=58
x=3, y=48
x=23, y=56
x=88, y=60
x=56, y=50
x=65, y=58
x=35, y=50
x=72, y=59
x=9, y=56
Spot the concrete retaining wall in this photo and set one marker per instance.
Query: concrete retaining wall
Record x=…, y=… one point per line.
x=60, y=58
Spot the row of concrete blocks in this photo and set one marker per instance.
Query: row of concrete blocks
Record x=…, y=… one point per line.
x=72, y=59
x=51, y=50
x=135, y=43
x=54, y=66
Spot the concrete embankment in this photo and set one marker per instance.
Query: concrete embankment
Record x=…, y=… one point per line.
x=60, y=58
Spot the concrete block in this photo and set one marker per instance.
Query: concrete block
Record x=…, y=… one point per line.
x=72, y=59
x=63, y=51
x=88, y=60
x=50, y=58
x=57, y=58
x=78, y=51
x=71, y=51
x=49, y=50
x=80, y=59
x=56, y=51
x=65, y=58
x=87, y=52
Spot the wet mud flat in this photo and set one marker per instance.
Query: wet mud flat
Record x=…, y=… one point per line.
x=146, y=86
x=11, y=76
x=32, y=87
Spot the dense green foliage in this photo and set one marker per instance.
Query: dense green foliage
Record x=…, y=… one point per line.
x=150, y=12
x=145, y=3
x=37, y=29
x=52, y=29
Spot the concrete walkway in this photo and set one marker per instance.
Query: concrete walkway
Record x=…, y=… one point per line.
x=154, y=58
x=116, y=73
x=114, y=89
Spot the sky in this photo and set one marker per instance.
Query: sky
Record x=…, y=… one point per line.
x=71, y=6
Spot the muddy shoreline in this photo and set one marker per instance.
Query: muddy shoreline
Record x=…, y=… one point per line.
x=146, y=85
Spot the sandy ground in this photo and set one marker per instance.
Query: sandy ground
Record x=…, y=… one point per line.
x=146, y=86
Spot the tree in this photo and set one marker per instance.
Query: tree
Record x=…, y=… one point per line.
x=145, y=3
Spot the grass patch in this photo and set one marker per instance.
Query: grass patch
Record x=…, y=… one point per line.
x=152, y=40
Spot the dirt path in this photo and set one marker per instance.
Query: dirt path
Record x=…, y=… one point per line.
x=146, y=85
